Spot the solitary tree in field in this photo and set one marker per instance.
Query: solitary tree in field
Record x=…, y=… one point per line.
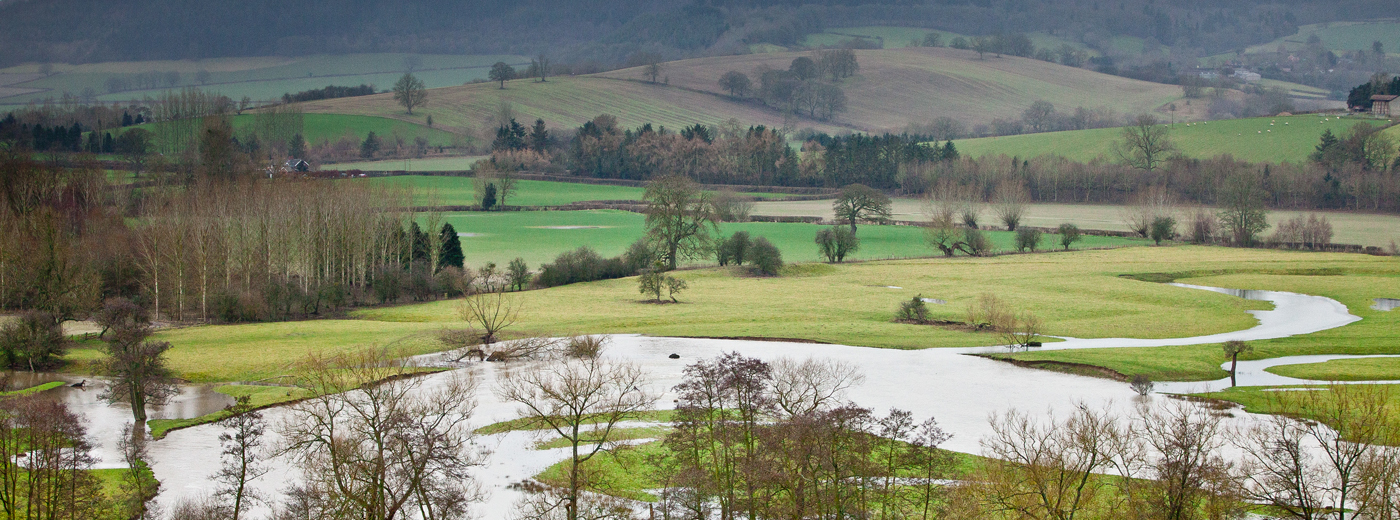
x=410, y=92
x=1233, y=349
x=1242, y=208
x=679, y=218
x=1145, y=144
x=500, y=72
x=1069, y=234
x=736, y=83
x=541, y=66
x=860, y=202
x=652, y=71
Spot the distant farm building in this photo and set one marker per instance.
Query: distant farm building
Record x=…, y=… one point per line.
x=1247, y=76
x=1383, y=105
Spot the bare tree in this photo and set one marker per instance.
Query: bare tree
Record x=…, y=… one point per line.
x=1145, y=144
x=242, y=463
x=410, y=92
x=1186, y=477
x=491, y=312
x=581, y=401
x=1009, y=203
x=810, y=385
x=1148, y=206
x=137, y=368
x=1048, y=471
x=376, y=443
x=679, y=218
x=1018, y=330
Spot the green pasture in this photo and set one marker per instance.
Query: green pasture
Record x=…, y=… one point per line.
x=426, y=164
x=1259, y=139
x=899, y=37
x=258, y=397
x=1078, y=294
x=1354, y=287
x=458, y=191
x=320, y=128
x=1339, y=36
x=260, y=78
x=539, y=236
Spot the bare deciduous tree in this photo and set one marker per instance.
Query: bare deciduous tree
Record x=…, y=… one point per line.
x=1145, y=144
x=490, y=312
x=581, y=401
x=1009, y=203
x=810, y=385
x=242, y=442
x=377, y=443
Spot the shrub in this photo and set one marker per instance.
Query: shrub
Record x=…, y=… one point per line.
x=765, y=257
x=733, y=250
x=1027, y=238
x=1203, y=226
x=1163, y=228
x=518, y=274
x=640, y=255
x=674, y=286
x=585, y=347
x=34, y=341
x=581, y=265
x=1069, y=234
x=975, y=242
x=913, y=310
x=836, y=242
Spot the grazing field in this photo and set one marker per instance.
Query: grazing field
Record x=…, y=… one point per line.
x=1354, y=287
x=898, y=86
x=1078, y=294
x=890, y=37
x=458, y=191
x=1367, y=229
x=539, y=236
x=260, y=78
x=1259, y=139
x=427, y=164
x=320, y=128
x=1339, y=36
x=1265, y=399
x=893, y=88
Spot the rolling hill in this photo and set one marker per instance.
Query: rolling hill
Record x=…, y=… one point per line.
x=1272, y=139
x=894, y=87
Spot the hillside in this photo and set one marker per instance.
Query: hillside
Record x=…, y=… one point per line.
x=893, y=88
x=898, y=86
x=1273, y=139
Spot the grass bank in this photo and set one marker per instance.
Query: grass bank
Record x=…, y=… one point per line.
x=1354, y=287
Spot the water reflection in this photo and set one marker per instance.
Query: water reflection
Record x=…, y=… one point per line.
x=107, y=423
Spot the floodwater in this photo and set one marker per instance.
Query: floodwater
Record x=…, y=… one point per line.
x=1386, y=304
x=960, y=390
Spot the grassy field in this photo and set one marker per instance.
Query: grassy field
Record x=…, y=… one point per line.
x=1368, y=229
x=539, y=236
x=897, y=86
x=1374, y=334
x=260, y=78
x=1274, y=139
x=1339, y=36
x=428, y=164
x=258, y=397
x=458, y=191
x=319, y=128
x=1078, y=294
x=893, y=88
x=890, y=37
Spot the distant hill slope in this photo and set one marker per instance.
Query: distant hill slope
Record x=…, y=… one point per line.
x=894, y=87
x=1272, y=139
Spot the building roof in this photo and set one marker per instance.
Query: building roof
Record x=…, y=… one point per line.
x=1383, y=97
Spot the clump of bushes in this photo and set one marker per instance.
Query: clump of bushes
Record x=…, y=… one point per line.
x=34, y=341
x=582, y=265
x=837, y=242
x=655, y=280
x=733, y=250
x=913, y=310
x=765, y=257
x=1027, y=239
x=1069, y=234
